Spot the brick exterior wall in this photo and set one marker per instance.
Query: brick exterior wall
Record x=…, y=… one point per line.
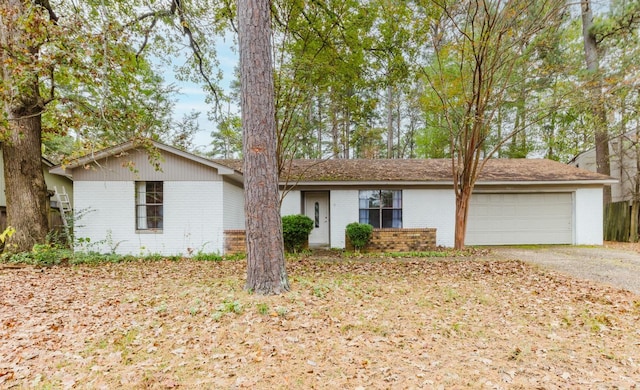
x=399, y=240
x=382, y=240
x=234, y=242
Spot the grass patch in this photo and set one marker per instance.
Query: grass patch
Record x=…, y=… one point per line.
x=47, y=255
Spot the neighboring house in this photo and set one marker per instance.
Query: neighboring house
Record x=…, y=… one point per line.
x=624, y=157
x=190, y=204
x=52, y=181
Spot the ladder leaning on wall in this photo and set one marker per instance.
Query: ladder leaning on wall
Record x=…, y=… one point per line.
x=64, y=205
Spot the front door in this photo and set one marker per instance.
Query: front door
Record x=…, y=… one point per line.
x=316, y=207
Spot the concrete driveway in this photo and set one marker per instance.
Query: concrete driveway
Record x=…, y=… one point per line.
x=615, y=267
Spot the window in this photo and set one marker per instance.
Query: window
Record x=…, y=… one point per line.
x=381, y=208
x=149, y=205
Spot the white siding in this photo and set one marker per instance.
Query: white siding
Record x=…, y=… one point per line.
x=233, y=206
x=344, y=210
x=134, y=165
x=588, y=216
x=431, y=209
x=192, y=218
x=291, y=204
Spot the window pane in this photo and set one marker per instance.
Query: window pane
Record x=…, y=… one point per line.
x=374, y=217
x=154, y=217
x=397, y=218
x=154, y=186
x=364, y=216
x=387, y=198
x=141, y=220
x=397, y=200
x=387, y=218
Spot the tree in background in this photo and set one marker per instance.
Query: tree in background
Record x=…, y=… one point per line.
x=598, y=109
x=266, y=272
x=476, y=47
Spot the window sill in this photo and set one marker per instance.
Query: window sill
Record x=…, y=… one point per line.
x=149, y=231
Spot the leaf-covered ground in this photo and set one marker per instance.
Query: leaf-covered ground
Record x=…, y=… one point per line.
x=366, y=324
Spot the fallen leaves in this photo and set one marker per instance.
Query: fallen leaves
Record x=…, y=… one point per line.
x=408, y=323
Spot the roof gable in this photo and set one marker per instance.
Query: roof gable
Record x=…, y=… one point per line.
x=130, y=161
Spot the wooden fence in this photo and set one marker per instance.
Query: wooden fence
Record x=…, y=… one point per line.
x=617, y=221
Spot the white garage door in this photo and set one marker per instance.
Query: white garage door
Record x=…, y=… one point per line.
x=503, y=219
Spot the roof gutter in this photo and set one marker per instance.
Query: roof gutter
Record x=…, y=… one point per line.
x=448, y=183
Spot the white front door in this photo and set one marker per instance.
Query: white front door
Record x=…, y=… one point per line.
x=316, y=207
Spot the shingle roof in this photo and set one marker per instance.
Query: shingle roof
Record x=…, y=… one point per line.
x=430, y=170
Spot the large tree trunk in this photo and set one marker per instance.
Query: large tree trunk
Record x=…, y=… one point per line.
x=266, y=272
x=25, y=190
x=597, y=99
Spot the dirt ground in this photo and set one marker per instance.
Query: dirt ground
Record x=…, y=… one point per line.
x=367, y=323
x=615, y=263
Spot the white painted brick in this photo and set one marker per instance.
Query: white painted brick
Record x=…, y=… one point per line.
x=193, y=218
x=233, y=207
x=588, y=216
x=431, y=208
x=344, y=210
x=291, y=203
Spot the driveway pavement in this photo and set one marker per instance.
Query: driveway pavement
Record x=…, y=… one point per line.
x=615, y=267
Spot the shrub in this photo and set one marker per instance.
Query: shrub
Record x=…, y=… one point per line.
x=295, y=231
x=359, y=234
x=40, y=255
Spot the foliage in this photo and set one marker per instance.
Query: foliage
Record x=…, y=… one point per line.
x=42, y=255
x=52, y=254
x=359, y=234
x=5, y=235
x=227, y=140
x=295, y=231
x=480, y=57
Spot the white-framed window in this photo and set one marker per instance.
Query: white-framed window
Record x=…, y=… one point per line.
x=381, y=208
x=149, y=204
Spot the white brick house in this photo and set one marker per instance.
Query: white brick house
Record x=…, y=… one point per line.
x=129, y=207
x=515, y=201
x=189, y=204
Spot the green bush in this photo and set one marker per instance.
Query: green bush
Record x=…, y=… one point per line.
x=295, y=231
x=359, y=234
x=40, y=255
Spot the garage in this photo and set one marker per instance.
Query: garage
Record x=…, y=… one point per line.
x=520, y=218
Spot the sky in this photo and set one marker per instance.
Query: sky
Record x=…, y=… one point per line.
x=192, y=96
